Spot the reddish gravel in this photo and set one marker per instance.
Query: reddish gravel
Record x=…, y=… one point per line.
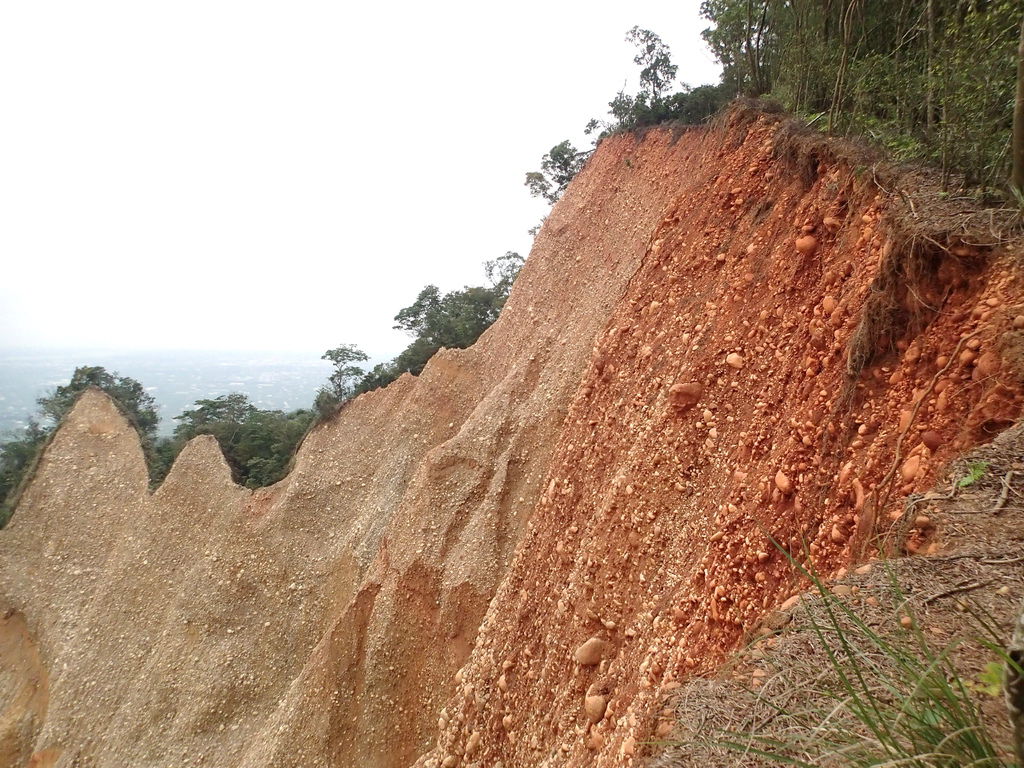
x=716, y=417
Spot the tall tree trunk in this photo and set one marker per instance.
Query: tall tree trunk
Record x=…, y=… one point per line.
x=1017, y=151
x=846, y=27
x=755, y=75
x=929, y=116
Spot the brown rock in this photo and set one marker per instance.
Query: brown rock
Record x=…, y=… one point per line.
x=735, y=360
x=591, y=652
x=910, y=469
x=931, y=439
x=594, y=707
x=807, y=244
x=629, y=746
x=685, y=394
x=988, y=365
x=783, y=483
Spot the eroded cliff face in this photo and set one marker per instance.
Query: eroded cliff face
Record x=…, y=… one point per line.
x=318, y=622
x=788, y=363
x=670, y=388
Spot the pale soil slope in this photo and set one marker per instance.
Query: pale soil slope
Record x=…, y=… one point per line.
x=313, y=623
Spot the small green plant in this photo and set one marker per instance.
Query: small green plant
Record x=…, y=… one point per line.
x=975, y=471
x=990, y=680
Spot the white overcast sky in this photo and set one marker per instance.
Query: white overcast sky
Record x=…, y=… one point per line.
x=283, y=175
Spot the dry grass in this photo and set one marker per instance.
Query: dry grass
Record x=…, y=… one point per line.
x=897, y=665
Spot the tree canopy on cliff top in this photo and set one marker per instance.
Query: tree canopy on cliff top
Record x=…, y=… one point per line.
x=930, y=80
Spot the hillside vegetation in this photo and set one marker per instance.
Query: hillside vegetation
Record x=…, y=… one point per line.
x=932, y=81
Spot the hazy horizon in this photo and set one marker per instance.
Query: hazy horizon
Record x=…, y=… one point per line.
x=273, y=380
x=226, y=175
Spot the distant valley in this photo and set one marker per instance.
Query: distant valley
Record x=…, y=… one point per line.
x=272, y=380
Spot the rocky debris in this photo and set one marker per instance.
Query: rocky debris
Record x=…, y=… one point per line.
x=676, y=534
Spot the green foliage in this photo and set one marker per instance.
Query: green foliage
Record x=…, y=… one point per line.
x=453, y=320
x=325, y=404
x=929, y=79
x=557, y=168
x=16, y=458
x=257, y=444
x=655, y=103
x=343, y=379
x=975, y=471
x=137, y=404
x=19, y=453
x=690, y=106
x=990, y=679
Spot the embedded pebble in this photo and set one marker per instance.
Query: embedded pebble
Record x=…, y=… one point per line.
x=685, y=395
x=931, y=439
x=910, y=469
x=807, y=244
x=591, y=652
x=595, y=707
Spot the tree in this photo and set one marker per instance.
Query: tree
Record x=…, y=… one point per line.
x=454, y=320
x=343, y=379
x=557, y=168
x=654, y=103
x=928, y=80
x=18, y=453
x=1017, y=172
x=502, y=272
x=16, y=456
x=654, y=56
x=258, y=445
x=234, y=408
x=128, y=393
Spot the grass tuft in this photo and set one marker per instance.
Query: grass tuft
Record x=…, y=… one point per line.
x=881, y=695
